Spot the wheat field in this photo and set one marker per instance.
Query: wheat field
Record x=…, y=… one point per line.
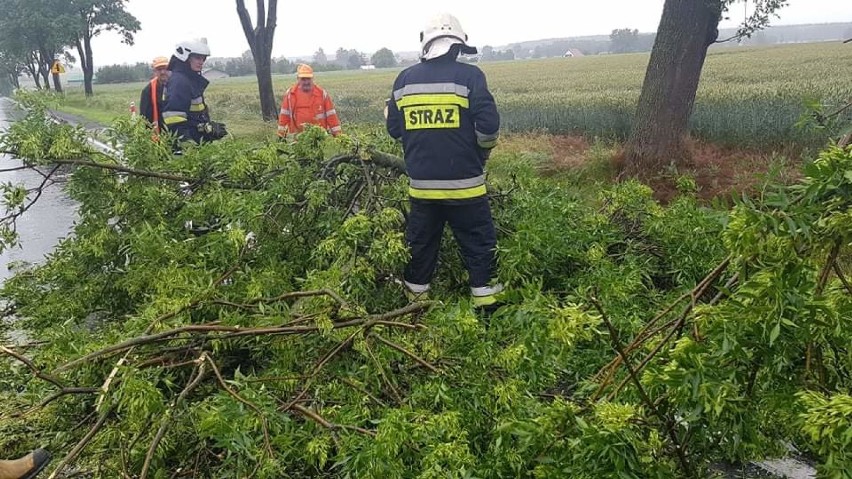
x=747, y=96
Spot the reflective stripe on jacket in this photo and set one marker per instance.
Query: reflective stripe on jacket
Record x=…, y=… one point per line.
x=447, y=120
x=294, y=114
x=185, y=109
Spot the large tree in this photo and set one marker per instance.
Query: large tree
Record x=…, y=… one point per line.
x=624, y=40
x=39, y=32
x=687, y=28
x=260, y=42
x=95, y=17
x=320, y=57
x=383, y=58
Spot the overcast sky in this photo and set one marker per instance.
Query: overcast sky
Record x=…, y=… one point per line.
x=369, y=25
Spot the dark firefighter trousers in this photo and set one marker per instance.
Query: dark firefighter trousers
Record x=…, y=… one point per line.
x=473, y=228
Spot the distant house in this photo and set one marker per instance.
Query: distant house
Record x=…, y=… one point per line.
x=573, y=53
x=368, y=67
x=214, y=74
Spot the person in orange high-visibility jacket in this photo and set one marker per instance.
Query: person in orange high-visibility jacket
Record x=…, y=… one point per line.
x=154, y=95
x=306, y=103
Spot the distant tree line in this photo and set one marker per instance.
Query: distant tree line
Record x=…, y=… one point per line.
x=345, y=59
x=124, y=73
x=627, y=40
x=489, y=54
x=244, y=65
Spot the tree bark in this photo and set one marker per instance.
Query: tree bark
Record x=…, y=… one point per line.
x=658, y=138
x=86, y=61
x=57, y=83
x=260, y=42
x=45, y=76
x=32, y=68
x=45, y=61
x=84, y=48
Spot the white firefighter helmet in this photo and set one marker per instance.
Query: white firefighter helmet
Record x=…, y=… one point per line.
x=440, y=34
x=197, y=47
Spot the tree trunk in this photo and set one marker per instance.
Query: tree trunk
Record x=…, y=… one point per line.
x=86, y=63
x=268, y=106
x=57, y=84
x=45, y=76
x=33, y=71
x=45, y=61
x=260, y=43
x=661, y=125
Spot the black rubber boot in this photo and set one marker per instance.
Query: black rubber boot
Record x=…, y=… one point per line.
x=26, y=467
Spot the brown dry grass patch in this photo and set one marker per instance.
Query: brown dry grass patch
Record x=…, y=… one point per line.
x=719, y=172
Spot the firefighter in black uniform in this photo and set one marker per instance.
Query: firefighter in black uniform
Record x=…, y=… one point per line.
x=447, y=120
x=185, y=113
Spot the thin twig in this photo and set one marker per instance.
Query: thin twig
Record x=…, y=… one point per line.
x=313, y=416
x=676, y=325
x=82, y=443
x=318, y=367
x=363, y=391
x=39, y=190
x=200, y=373
x=413, y=327
x=381, y=369
x=667, y=422
x=301, y=294
x=408, y=353
x=53, y=397
x=608, y=371
x=17, y=168
x=826, y=270
x=263, y=422
x=840, y=275
x=36, y=371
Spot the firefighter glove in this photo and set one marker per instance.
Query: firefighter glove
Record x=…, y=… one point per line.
x=213, y=130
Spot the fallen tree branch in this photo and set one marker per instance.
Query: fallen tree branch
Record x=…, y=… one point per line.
x=313, y=416
x=236, y=332
x=128, y=170
x=217, y=282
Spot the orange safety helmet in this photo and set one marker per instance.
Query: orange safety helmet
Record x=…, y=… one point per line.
x=304, y=71
x=159, y=62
